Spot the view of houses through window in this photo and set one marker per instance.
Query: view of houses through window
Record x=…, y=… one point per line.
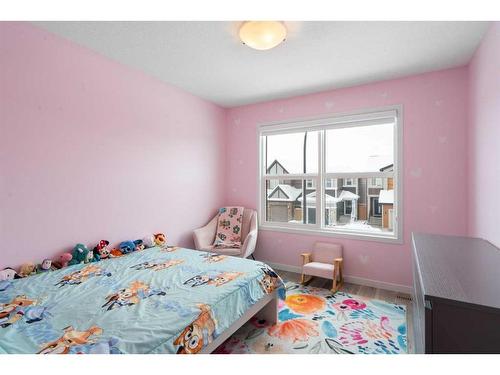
x=357, y=176
x=363, y=203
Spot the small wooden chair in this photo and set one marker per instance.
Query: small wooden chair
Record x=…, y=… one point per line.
x=325, y=261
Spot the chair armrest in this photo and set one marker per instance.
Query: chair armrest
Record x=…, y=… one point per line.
x=337, y=261
x=306, y=258
x=205, y=236
x=248, y=246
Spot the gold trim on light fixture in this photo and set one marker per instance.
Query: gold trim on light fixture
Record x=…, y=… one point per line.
x=262, y=35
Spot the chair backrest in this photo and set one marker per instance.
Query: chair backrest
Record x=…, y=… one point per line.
x=247, y=220
x=326, y=252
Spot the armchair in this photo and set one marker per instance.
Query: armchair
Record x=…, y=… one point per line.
x=325, y=260
x=204, y=237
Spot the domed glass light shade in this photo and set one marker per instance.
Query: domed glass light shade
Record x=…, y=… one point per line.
x=262, y=35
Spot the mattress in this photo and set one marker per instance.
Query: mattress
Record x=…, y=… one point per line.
x=159, y=300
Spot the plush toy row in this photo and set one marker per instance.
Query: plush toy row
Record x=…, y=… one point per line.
x=81, y=254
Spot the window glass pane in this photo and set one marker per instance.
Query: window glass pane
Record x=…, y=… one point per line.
x=331, y=183
x=361, y=206
x=284, y=202
x=360, y=149
x=285, y=153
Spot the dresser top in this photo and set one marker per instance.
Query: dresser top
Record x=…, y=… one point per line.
x=458, y=268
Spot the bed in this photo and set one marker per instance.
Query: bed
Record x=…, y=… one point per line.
x=159, y=300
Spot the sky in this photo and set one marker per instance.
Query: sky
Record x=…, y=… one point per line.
x=355, y=149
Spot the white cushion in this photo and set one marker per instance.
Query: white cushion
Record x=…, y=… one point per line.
x=222, y=251
x=324, y=270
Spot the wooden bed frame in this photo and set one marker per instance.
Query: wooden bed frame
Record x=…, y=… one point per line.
x=266, y=308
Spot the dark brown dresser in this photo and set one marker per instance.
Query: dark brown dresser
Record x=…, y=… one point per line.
x=456, y=294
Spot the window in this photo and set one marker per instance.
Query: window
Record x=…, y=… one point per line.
x=310, y=184
x=349, y=182
x=336, y=175
x=331, y=183
x=376, y=182
x=347, y=207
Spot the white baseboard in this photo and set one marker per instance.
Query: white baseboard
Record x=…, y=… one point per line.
x=351, y=279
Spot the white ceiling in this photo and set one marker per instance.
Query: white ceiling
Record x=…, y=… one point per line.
x=208, y=60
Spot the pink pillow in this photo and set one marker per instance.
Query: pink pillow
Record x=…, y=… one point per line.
x=229, y=225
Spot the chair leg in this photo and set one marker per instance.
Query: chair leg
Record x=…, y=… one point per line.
x=341, y=274
x=304, y=279
x=335, y=284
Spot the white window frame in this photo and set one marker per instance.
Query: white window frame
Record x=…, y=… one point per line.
x=375, y=185
x=341, y=120
x=312, y=185
x=345, y=207
x=333, y=184
x=353, y=180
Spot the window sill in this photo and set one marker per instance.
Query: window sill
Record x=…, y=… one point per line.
x=335, y=233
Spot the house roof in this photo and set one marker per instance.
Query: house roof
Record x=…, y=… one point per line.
x=291, y=192
x=311, y=199
x=281, y=165
x=387, y=168
x=386, y=197
x=346, y=195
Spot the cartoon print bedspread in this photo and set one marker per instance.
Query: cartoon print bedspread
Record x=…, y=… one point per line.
x=152, y=301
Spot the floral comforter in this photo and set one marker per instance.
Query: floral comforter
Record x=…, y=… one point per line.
x=159, y=300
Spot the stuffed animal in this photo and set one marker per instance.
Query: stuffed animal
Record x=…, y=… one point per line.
x=127, y=247
x=115, y=253
x=8, y=274
x=90, y=257
x=44, y=267
x=101, y=251
x=79, y=254
x=149, y=241
x=139, y=245
x=63, y=261
x=27, y=269
x=160, y=239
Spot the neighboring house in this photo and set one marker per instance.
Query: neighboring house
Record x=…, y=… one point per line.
x=282, y=203
x=386, y=200
x=276, y=168
x=282, y=196
x=363, y=195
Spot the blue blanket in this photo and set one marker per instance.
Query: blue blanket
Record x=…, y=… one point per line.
x=159, y=300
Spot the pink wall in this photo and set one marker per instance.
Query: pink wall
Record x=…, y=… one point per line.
x=90, y=149
x=435, y=183
x=484, y=138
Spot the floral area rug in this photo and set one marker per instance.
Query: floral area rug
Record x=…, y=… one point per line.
x=313, y=320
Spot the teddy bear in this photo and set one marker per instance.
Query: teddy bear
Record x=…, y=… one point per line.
x=101, y=250
x=44, y=267
x=115, y=253
x=160, y=239
x=63, y=261
x=8, y=274
x=127, y=247
x=149, y=241
x=90, y=257
x=139, y=245
x=27, y=269
x=79, y=254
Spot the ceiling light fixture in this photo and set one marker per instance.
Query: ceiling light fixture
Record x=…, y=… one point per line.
x=262, y=35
